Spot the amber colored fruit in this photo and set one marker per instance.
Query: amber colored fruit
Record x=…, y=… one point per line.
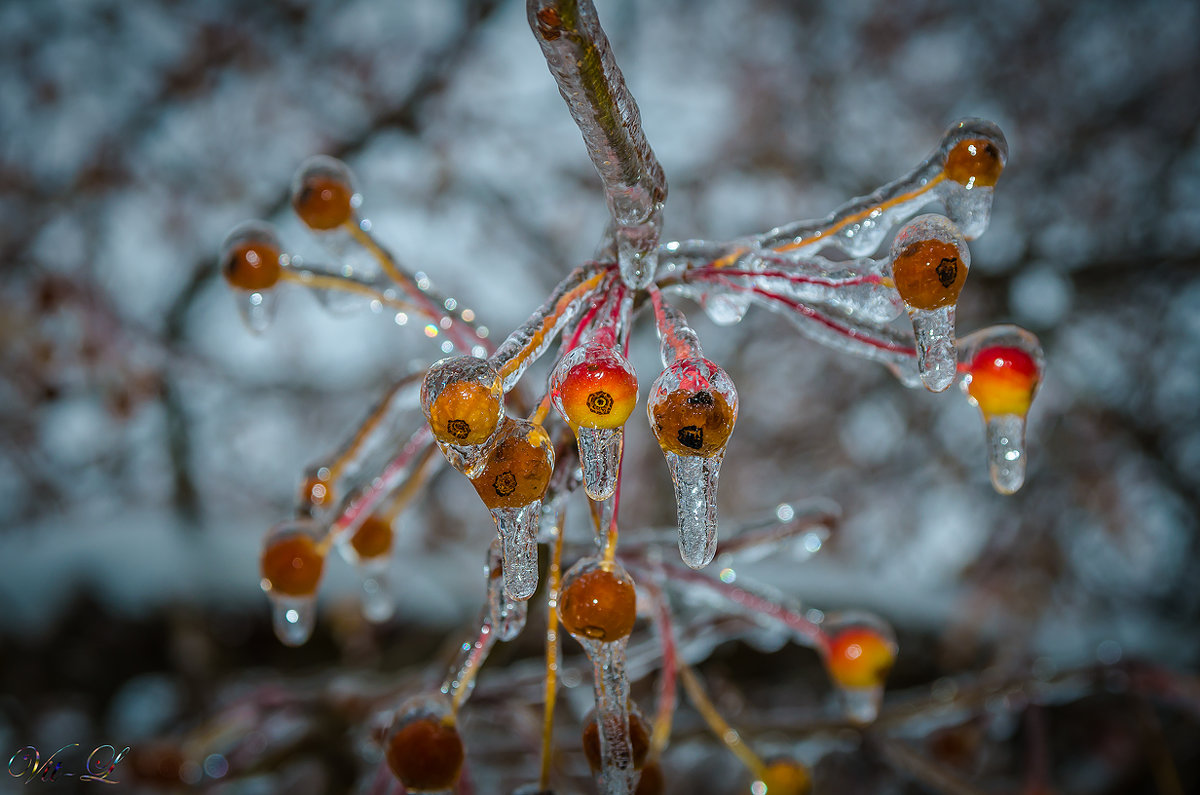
x=787, y=777
x=692, y=423
x=929, y=274
x=317, y=492
x=651, y=782
x=465, y=413
x=860, y=657
x=517, y=472
x=1003, y=379
x=427, y=754
x=293, y=566
x=974, y=162
x=639, y=741
x=322, y=201
x=598, y=394
x=252, y=265
x=598, y=605
x=373, y=537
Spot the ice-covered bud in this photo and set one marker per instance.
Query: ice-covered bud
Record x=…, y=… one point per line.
x=930, y=260
x=292, y=560
x=594, y=386
x=692, y=408
x=252, y=257
x=518, y=468
x=463, y=400
x=323, y=193
x=423, y=747
x=597, y=601
x=975, y=152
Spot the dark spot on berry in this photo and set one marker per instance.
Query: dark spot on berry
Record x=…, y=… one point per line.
x=505, y=484
x=700, y=399
x=459, y=429
x=599, y=403
x=691, y=436
x=947, y=270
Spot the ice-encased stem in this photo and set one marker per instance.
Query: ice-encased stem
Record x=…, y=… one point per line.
x=523, y=347
x=460, y=680
x=518, y=529
x=600, y=457
x=1006, y=452
x=635, y=187
x=937, y=357
x=695, y=479
x=617, y=774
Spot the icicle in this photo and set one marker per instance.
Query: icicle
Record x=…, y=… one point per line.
x=725, y=308
x=464, y=403
x=695, y=479
x=1004, y=371
x=518, y=531
x=692, y=409
x=423, y=746
x=292, y=562
x=859, y=651
x=930, y=260
x=511, y=483
x=598, y=607
x=507, y=616
x=257, y=309
x=595, y=389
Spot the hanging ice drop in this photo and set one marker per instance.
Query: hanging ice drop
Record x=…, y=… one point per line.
x=595, y=389
x=930, y=260
x=1003, y=375
x=695, y=479
x=507, y=616
x=367, y=550
x=692, y=408
x=511, y=483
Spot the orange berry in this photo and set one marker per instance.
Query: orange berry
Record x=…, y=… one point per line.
x=594, y=387
x=929, y=273
x=322, y=194
x=787, y=777
x=974, y=162
x=651, y=782
x=519, y=468
x=251, y=263
x=860, y=657
x=292, y=565
x=426, y=753
x=463, y=399
x=373, y=538
x=1003, y=380
x=692, y=422
x=598, y=604
x=639, y=740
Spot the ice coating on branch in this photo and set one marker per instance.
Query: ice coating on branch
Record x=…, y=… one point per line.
x=598, y=605
x=594, y=388
x=692, y=407
x=960, y=173
x=930, y=260
x=511, y=484
x=464, y=403
x=858, y=652
x=591, y=83
x=1004, y=366
x=507, y=616
x=293, y=560
x=523, y=347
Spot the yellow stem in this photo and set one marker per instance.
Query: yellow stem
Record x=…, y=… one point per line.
x=552, y=647
x=720, y=727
